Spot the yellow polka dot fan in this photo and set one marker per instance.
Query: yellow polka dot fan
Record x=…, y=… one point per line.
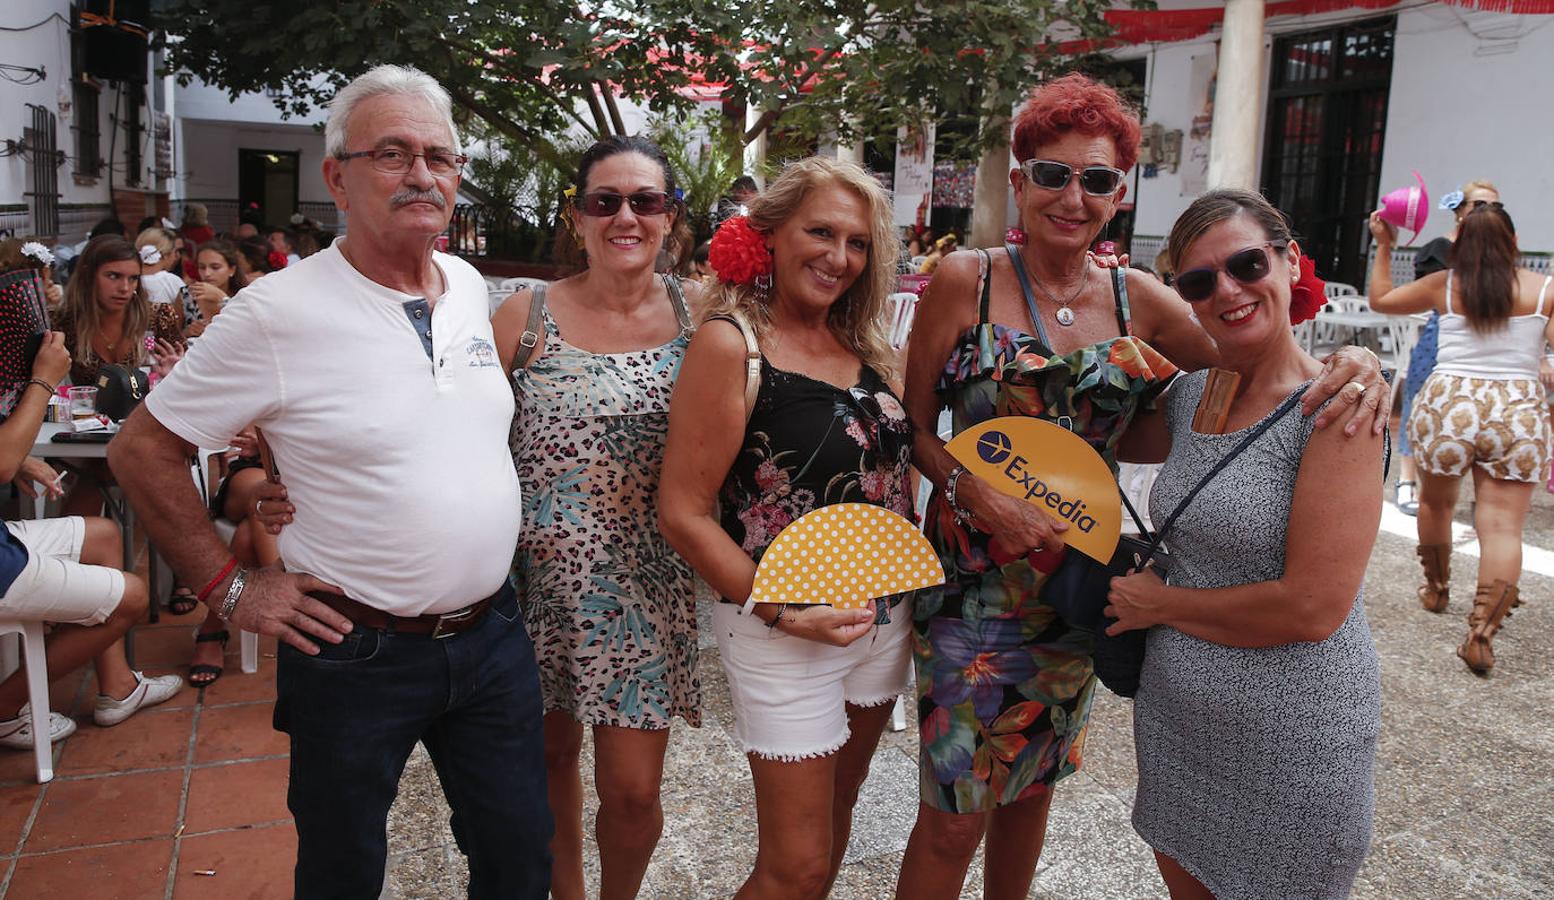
x=846, y=555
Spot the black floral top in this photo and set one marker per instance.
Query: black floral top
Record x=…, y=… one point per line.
x=811, y=444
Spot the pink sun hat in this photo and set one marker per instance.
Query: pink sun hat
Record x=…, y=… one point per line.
x=1407, y=207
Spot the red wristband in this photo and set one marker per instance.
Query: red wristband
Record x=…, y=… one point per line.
x=220, y=577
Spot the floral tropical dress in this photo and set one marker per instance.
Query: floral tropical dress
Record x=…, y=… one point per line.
x=811, y=444
x=610, y=607
x=1003, y=685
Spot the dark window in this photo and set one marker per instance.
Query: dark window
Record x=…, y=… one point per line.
x=89, y=161
x=1327, y=113
x=44, y=160
x=134, y=127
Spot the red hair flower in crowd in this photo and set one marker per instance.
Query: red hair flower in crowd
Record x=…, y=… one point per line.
x=738, y=253
x=276, y=259
x=1309, y=293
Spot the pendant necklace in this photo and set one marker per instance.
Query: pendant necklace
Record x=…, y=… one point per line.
x=1064, y=315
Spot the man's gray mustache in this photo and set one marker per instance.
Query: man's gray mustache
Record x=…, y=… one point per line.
x=409, y=196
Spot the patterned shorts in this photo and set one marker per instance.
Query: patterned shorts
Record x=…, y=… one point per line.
x=1499, y=425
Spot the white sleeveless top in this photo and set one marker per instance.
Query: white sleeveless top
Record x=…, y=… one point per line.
x=1512, y=352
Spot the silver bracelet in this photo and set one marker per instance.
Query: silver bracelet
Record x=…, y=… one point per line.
x=234, y=594
x=963, y=516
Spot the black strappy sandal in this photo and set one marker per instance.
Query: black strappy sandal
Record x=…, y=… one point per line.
x=203, y=675
x=182, y=601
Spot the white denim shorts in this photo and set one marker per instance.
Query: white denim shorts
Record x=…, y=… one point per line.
x=55, y=586
x=791, y=694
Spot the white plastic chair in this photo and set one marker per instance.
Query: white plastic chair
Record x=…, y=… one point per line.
x=900, y=310
x=37, y=692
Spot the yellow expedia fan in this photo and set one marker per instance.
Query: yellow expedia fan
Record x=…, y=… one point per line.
x=846, y=555
x=1053, y=469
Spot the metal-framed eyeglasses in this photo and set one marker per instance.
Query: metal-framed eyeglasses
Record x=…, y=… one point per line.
x=1097, y=181
x=399, y=161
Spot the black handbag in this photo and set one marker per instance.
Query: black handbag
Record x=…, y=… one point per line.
x=119, y=390
x=1077, y=590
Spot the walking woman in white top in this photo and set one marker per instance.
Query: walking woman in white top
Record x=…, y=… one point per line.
x=1482, y=408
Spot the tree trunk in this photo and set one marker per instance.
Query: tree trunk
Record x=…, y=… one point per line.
x=990, y=209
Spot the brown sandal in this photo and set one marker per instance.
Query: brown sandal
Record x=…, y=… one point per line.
x=1435, y=593
x=1491, y=606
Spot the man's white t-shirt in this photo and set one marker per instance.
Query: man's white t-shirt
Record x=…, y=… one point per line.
x=396, y=460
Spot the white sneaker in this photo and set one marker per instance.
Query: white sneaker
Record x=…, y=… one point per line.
x=16, y=733
x=147, y=692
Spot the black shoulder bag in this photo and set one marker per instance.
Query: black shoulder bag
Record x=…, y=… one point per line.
x=1079, y=586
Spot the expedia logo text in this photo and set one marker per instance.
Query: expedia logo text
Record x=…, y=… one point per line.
x=1035, y=489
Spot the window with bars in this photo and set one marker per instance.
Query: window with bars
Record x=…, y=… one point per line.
x=1326, y=119
x=89, y=162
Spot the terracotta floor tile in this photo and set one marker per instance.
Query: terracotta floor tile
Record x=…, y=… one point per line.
x=236, y=732
x=100, y=810
x=15, y=805
x=16, y=766
x=151, y=739
x=232, y=796
x=235, y=687
x=251, y=863
x=130, y=871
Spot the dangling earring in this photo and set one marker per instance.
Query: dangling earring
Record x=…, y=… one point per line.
x=566, y=215
x=763, y=285
x=1015, y=235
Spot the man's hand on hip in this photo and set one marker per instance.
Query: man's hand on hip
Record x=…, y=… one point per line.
x=276, y=602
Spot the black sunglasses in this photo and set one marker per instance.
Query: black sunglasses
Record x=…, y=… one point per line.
x=1098, y=181
x=1247, y=266
x=1477, y=205
x=608, y=203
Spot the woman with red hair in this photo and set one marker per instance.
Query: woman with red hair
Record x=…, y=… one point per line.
x=1036, y=329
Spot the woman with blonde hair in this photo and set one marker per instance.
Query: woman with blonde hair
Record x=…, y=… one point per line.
x=160, y=266
x=797, y=316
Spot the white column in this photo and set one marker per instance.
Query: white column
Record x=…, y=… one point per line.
x=850, y=153
x=1238, y=96
x=990, y=204
x=755, y=151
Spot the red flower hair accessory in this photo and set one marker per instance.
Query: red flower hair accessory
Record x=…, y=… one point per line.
x=738, y=253
x=1309, y=294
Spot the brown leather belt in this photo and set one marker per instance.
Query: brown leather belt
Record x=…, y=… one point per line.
x=433, y=624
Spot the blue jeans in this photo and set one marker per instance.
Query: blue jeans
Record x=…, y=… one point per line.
x=354, y=713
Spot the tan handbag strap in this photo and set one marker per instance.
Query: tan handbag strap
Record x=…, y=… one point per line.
x=752, y=360
x=531, y=329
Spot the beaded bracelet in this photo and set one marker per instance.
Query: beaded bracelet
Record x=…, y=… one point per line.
x=963, y=516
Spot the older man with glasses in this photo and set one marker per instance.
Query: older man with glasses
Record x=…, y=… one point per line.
x=370, y=369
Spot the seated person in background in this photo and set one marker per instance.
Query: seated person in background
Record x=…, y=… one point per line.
x=67, y=571
x=941, y=248
x=284, y=242
x=105, y=318
x=161, y=268
x=218, y=264
x=253, y=259
x=253, y=544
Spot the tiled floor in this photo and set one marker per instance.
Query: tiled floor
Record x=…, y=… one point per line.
x=187, y=799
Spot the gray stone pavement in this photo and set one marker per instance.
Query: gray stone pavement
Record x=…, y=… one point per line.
x=1465, y=775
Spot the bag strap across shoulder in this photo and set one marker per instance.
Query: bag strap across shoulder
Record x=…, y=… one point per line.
x=531, y=329
x=1246, y=442
x=752, y=359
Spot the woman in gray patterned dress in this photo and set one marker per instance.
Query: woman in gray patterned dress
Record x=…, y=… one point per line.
x=610, y=607
x=1259, y=704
